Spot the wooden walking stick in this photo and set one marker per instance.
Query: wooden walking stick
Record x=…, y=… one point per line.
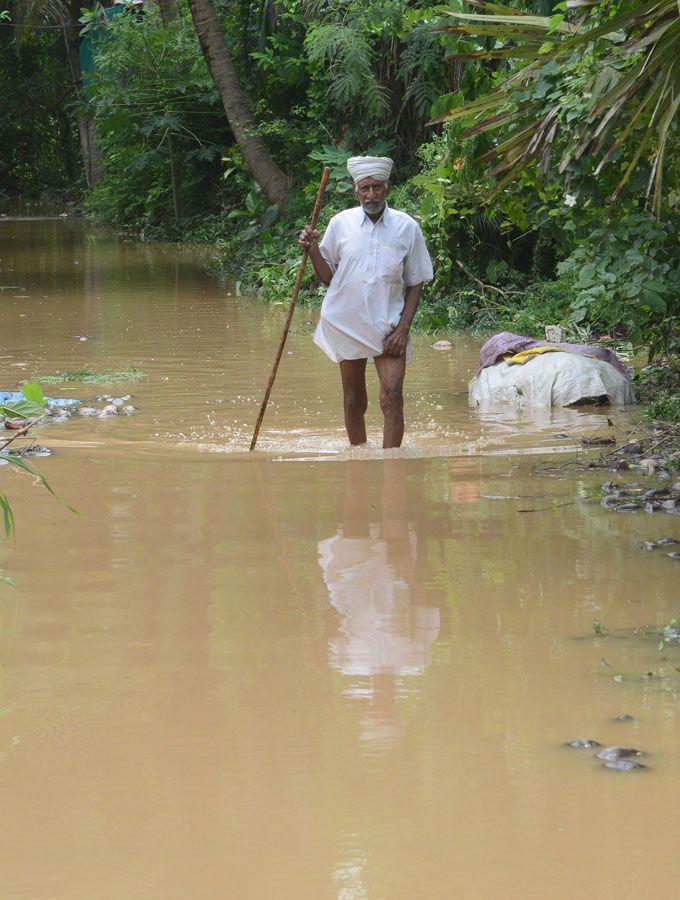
x=291, y=309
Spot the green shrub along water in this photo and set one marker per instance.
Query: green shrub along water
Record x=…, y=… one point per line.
x=525, y=244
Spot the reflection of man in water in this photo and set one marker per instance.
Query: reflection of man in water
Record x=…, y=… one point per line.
x=369, y=573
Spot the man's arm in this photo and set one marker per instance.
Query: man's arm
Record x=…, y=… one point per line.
x=396, y=341
x=309, y=239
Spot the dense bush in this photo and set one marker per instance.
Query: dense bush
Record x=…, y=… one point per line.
x=155, y=106
x=39, y=151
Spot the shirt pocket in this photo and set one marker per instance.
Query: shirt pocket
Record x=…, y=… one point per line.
x=390, y=265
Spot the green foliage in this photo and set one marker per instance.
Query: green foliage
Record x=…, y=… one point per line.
x=665, y=407
x=155, y=105
x=89, y=376
x=627, y=279
x=7, y=516
x=658, y=385
x=344, y=50
x=598, y=87
x=33, y=406
x=40, y=157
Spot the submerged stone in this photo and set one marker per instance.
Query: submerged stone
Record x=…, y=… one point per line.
x=442, y=345
x=656, y=494
x=624, y=717
x=667, y=542
x=674, y=554
x=624, y=765
x=583, y=744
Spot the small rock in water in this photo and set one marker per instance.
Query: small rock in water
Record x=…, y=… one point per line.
x=624, y=717
x=656, y=494
x=88, y=411
x=36, y=450
x=610, y=486
x=15, y=424
x=118, y=401
x=561, y=434
x=108, y=411
x=624, y=765
x=674, y=554
x=442, y=345
x=129, y=409
x=610, y=753
x=583, y=744
x=648, y=466
x=648, y=545
x=651, y=507
x=625, y=507
x=667, y=542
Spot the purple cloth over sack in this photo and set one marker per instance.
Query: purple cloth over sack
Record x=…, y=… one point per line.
x=505, y=342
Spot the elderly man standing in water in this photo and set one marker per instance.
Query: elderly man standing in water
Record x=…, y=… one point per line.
x=374, y=261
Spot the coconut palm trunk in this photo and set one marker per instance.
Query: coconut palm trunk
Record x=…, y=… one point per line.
x=262, y=166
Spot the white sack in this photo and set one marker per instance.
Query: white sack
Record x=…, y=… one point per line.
x=552, y=379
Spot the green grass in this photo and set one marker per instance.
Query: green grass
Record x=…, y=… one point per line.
x=89, y=376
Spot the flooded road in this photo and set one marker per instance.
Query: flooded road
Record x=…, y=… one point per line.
x=310, y=672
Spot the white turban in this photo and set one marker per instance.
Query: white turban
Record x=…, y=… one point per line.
x=360, y=167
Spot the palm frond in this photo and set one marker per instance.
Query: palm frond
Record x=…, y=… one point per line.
x=634, y=94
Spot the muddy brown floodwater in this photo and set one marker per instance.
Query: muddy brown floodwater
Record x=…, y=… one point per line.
x=310, y=673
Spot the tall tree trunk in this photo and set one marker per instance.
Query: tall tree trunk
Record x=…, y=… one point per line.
x=89, y=136
x=174, y=175
x=262, y=166
x=169, y=12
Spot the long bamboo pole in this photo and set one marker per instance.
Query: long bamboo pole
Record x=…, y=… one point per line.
x=291, y=309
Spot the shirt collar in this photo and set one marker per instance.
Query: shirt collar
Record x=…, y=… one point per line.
x=383, y=220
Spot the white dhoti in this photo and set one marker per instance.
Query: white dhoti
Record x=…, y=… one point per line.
x=342, y=342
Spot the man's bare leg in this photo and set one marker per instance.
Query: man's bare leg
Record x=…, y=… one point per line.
x=391, y=371
x=353, y=372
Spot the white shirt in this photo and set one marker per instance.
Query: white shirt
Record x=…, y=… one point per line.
x=372, y=265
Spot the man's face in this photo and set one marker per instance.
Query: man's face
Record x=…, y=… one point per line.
x=372, y=194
